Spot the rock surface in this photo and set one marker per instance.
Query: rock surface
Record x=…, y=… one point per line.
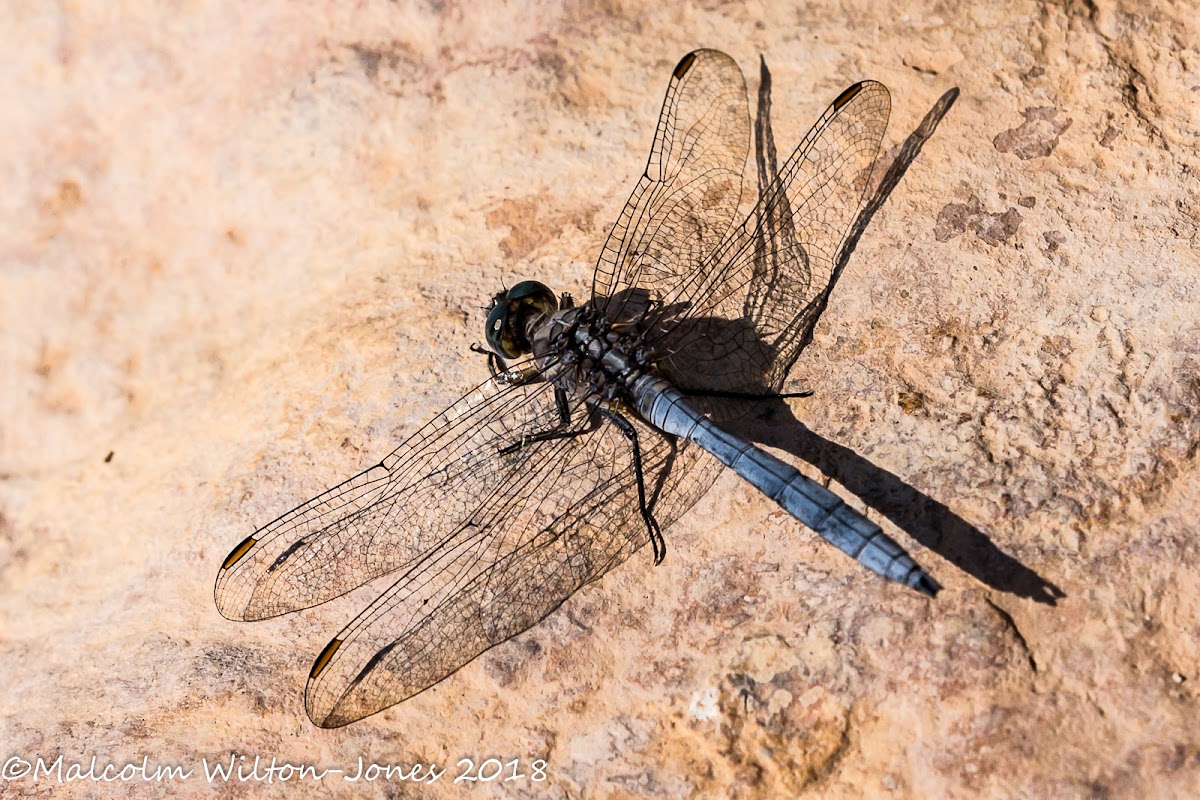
x=244, y=252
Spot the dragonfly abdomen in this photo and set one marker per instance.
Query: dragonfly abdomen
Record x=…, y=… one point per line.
x=668, y=409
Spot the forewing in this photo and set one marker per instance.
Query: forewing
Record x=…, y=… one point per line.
x=741, y=321
x=685, y=202
x=411, y=505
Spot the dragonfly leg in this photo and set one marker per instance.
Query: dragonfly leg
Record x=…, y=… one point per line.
x=497, y=368
x=520, y=376
x=557, y=432
x=656, y=538
x=495, y=365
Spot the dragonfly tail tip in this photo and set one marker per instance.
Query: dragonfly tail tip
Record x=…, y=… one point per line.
x=927, y=586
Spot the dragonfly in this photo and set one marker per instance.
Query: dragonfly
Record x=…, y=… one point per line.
x=601, y=422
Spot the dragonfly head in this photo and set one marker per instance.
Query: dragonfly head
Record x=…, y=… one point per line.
x=512, y=314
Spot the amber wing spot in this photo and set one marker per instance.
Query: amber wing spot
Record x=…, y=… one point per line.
x=847, y=96
x=684, y=65
x=323, y=659
x=239, y=551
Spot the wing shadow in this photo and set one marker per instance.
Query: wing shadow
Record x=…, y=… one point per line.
x=924, y=519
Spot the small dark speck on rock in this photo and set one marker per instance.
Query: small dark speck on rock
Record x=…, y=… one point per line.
x=993, y=228
x=1036, y=137
x=911, y=401
x=1053, y=240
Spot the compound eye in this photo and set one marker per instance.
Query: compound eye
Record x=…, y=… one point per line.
x=534, y=294
x=497, y=332
x=512, y=312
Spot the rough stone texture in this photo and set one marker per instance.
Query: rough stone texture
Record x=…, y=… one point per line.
x=244, y=251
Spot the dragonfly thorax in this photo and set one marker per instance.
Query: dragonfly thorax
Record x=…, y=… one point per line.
x=589, y=355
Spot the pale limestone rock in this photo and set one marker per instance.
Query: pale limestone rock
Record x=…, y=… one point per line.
x=245, y=251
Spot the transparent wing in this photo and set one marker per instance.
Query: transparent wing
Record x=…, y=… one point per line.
x=486, y=542
x=571, y=521
x=685, y=202
x=414, y=502
x=741, y=318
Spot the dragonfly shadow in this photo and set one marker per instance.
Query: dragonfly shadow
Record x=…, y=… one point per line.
x=920, y=516
x=924, y=519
